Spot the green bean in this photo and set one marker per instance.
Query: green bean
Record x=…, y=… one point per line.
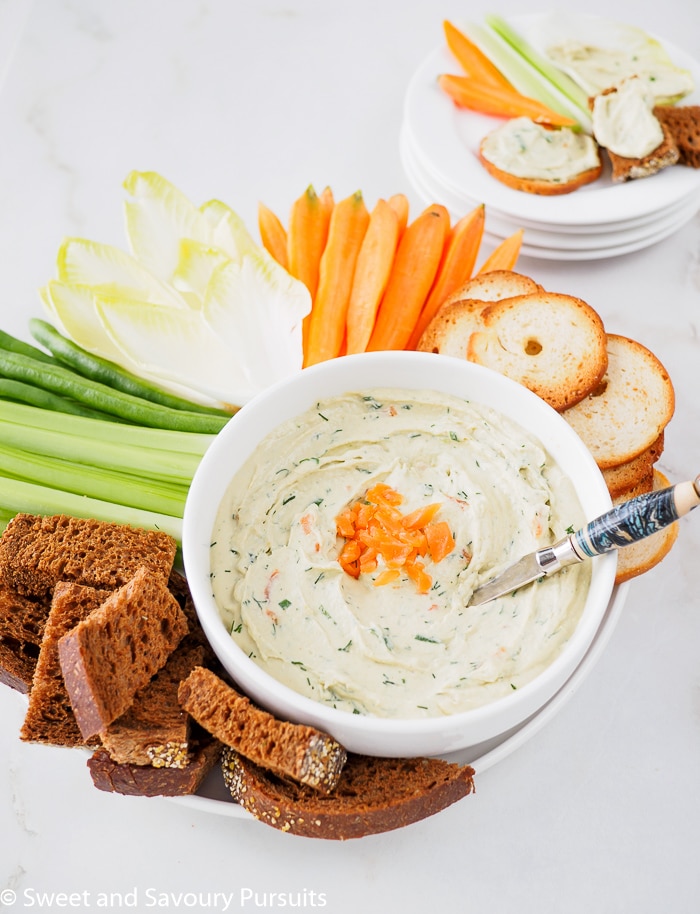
x=61, y=380
x=44, y=399
x=12, y=344
x=109, y=373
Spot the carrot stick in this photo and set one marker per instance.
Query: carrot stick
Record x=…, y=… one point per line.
x=414, y=270
x=472, y=59
x=467, y=93
x=372, y=272
x=273, y=235
x=456, y=266
x=348, y=224
x=306, y=238
x=399, y=203
x=505, y=256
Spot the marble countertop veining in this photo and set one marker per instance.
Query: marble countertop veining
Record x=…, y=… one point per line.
x=251, y=100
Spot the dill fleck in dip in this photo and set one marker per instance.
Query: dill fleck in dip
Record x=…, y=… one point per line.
x=379, y=642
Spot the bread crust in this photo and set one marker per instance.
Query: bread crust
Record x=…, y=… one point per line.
x=374, y=795
x=537, y=185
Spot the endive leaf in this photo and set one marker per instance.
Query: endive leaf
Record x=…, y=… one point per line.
x=195, y=267
x=157, y=218
x=255, y=306
x=176, y=346
x=109, y=269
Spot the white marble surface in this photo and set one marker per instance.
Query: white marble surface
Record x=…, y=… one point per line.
x=252, y=100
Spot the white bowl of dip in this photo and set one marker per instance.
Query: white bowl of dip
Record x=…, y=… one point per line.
x=387, y=669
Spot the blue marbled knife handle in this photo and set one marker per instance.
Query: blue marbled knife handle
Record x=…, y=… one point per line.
x=636, y=519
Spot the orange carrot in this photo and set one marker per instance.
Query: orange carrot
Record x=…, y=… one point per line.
x=273, y=235
x=348, y=224
x=372, y=272
x=399, y=203
x=505, y=256
x=306, y=238
x=374, y=527
x=499, y=102
x=472, y=59
x=456, y=266
x=415, y=267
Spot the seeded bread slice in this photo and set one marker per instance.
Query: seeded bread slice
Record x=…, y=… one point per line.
x=627, y=169
x=638, y=558
x=630, y=408
x=683, y=121
x=293, y=751
x=49, y=717
x=553, y=344
x=155, y=730
x=374, y=795
x=114, y=652
x=37, y=552
x=147, y=781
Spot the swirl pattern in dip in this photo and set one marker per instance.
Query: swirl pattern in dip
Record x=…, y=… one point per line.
x=391, y=651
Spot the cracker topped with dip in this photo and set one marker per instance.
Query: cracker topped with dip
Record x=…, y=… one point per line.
x=369, y=640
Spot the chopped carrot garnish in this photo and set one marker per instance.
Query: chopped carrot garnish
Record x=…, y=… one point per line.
x=374, y=527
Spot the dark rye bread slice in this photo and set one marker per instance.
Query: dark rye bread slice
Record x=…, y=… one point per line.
x=627, y=169
x=155, y=730
x=22, y=624
x=49, y=717
x=17, y=664
x=294, y=751
x=374, y=795
x=114, y=652
x=683, y=122
x=37, y=552
x=147, y=781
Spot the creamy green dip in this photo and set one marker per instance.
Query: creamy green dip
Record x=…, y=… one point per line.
x=389, y=650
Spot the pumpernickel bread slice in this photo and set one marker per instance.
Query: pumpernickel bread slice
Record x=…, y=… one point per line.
x=630, y=408
x=116, y=650
x=147, y=781
x=294, y=751
x=155, y=730
x=49, y=717
x=627, y=169
x=683, y=122
x=37, y=552
x=373, y=795
x=554, y=344
x=22, y=623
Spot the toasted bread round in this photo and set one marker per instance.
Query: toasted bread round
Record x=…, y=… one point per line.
x=634, y=476
x=644, y=555
x=536, y=159
x=554, y=344
x=494, y=285
x=538, y=185
x=630, y=408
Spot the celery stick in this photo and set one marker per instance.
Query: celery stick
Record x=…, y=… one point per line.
x=95, y=482
x=16, y=496
x=560, y=80
x=105, y=430
x=98, y=452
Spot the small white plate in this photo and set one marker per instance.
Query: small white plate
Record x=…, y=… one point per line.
x=552, y=245
x=448, y=138
x=214, y=798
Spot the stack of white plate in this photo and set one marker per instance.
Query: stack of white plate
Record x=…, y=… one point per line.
x=439, y=144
